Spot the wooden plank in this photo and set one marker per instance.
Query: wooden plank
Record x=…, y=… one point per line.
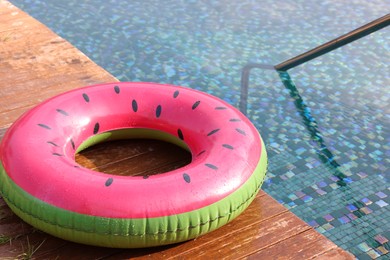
x=301, y=246
x=11, y=226
x=28, y=245
x=37, y=64
x=3, y=130
x=250, y=239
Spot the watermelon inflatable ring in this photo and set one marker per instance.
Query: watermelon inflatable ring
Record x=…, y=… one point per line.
x=43, y=185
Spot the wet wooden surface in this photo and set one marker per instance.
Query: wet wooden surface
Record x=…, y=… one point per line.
x=36, y=64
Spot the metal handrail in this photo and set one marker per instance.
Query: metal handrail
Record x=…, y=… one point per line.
x=336, y=43
x=309, y=55
x=245, y=82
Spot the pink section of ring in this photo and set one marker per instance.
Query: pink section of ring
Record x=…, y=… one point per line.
x=38, y=150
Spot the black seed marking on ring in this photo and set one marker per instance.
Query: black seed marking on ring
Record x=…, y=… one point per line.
x=85, y=96
x=109, y=182
x=57, y=154
x=158, y=111
x=240, y=131
x=195, y=105
x=176, y=93
x=220, y=108
x=117, y=89
x=52, y=143
x=145, y=177
x=211, y=166
x=44, y=126
x=96, y=128
x=186, y=177
x=76, y=166
x=134, y=105
x=228, y=146
x=180, y=134
x=62, y=112
x=235, y=120
x=213, y=132
x=202, y=152
x=72, y=143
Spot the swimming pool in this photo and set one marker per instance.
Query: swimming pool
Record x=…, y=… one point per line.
x=205, y=44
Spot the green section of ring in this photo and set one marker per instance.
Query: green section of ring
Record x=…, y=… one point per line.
x=130, y=233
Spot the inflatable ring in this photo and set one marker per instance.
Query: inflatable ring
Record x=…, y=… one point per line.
x=42, y=183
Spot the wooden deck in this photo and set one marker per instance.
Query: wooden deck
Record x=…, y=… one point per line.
x=36, y=64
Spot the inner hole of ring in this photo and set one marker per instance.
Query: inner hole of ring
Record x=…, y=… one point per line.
x=133, y=152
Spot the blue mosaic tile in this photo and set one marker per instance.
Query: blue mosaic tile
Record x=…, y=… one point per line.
x=366, y=201
x=307, y=198
x=344, y=220
x=313, y=223
x=364, y=247
x=328, y=217
x=381, y=239
x=381, y=195
x=381, y=203
x=352, y=207
x=322, y=184
x=352, y=216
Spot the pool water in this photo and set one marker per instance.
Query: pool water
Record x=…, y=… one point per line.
x=326, y=123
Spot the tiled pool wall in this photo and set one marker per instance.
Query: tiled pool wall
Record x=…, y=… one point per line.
x=328, y=139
